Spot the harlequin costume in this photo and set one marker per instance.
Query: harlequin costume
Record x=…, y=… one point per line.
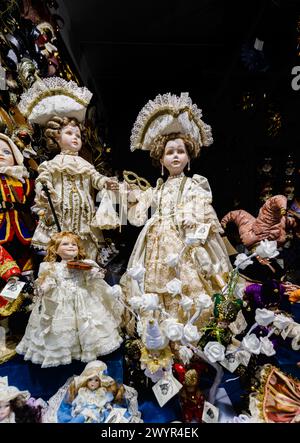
x=16, y=197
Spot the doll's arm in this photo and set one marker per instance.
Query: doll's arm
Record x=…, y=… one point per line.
x=100, y=181
x=139, y=202
x=42, y=207
x=46, y=278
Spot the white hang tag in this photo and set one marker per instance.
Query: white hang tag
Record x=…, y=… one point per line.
x=202, y=231
x=210, y=413
x=285, y=332
x=243, y=357
x=12, y=289
x=230, y=362
x=239, y=324
x=166, y=388
x=116, y=415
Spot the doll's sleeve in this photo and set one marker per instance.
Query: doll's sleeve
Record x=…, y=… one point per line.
x=46, y=280
x=41, y=200
x=197, y=209
x=98, y=180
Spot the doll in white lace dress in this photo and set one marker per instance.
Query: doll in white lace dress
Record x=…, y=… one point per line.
x=76, y=315
x=70, y=180
x=179, y=255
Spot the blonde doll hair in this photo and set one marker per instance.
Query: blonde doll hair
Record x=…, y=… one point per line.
x=55, y=125
x=55, y=242
x=159, y=144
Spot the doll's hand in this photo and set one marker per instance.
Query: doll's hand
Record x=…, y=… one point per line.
x=112, y=184
x=97, y=272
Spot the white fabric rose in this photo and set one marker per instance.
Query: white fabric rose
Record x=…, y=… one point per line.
x=173, y=329
x=214, y=351
x=174, y=286
x=242, y=261
x=172, y=260
x=136, y=302
x=203, y=301
x=186, y=303
x=185, y=354
x=191, y=333
x=267, y=347
x=267, y=249
x=149, y=301
x=136, y=272
x=116, y=291
x=264, y=317
x=252, y=344
x=282, y=321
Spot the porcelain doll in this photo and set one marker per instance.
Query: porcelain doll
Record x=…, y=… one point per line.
x=16, y=192
x=93, y=397
x=60, y=106
x=15, y=405
x=179, y=254
x=70, y=180
x=76, y=315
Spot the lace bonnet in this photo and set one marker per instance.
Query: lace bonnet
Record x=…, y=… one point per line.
x=54, y=96
x=167, y=114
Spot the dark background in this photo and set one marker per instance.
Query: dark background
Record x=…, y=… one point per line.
x=130, y=51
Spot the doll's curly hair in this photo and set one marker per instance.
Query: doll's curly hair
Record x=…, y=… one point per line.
x=160, y=141
x=55, y=242
x=55, y=125
x=25, y=413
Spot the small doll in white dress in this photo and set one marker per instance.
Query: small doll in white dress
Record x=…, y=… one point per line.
x=76, y=314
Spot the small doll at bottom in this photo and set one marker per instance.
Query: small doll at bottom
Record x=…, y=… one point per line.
x=97, y=395
x=76, y=314
x=15, y=405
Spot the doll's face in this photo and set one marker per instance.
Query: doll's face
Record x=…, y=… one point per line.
x=93, y=383
x=4, y=409
x=69, y=139
x=6, y=155
x=67, y=249
x=175, y=157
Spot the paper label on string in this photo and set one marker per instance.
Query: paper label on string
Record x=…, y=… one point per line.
x=166, y=388
x=12, y=289
x=230, y=362
x=239, y=324
x=210, y=413
x=285, y=332
x=202, y=231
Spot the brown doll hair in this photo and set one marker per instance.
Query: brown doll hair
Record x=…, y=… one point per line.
x=55, y=125
x=55, y=242
x=159, y=144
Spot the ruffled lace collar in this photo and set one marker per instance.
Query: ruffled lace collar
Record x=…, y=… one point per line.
x=18, y=172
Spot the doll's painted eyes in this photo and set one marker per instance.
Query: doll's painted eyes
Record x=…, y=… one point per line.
x=7, y=152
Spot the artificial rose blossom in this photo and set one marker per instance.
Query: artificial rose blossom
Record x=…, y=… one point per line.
x=252, y=344
x=214, y=351
x=242, y=261
x=173, y=329
x=191, y=333
x=185, y=354
x=203, y=301
x=174, y=286
x=172, y=260
x=186, y=303
x=264, y=317
x=267, y=347
x=116, y=291
x=149, y=301
x=267, y=249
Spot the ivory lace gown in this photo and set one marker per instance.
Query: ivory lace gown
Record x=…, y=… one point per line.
x=177, y=201
x=74, y=317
